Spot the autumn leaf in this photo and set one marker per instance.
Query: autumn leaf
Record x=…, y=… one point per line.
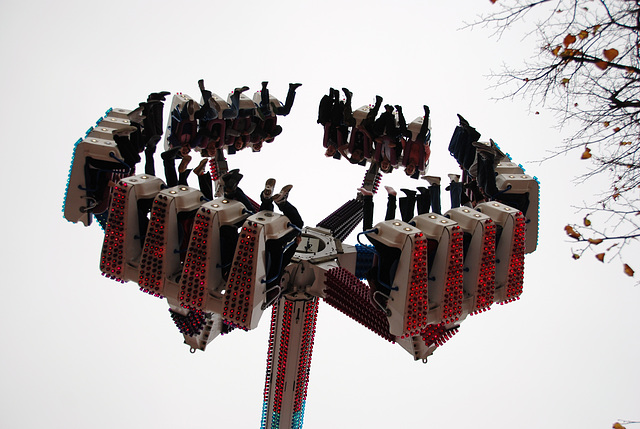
x=583, y=34
x=537, y=113
x=600, y=257
x=628, y=270
x=618, y=426
x=595, y=240
x=616, y=195
x=569, y=39
x=575, y=256
x=596, y=28
x=625, y=143
x=616, y=129
x=556, y=50
x=586, y=154
x=571, y=232
x=602, y=65
x=610, y=54
x=586, y=221
x=493, y=1
x=606, y=124
x=564, y=81
x=569, y=53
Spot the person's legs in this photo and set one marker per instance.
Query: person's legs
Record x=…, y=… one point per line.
x=291, y=95
x=349, y=120
x=391, y=203
x=424, y=128
x=291, y=212
x=423, y=200
x=367, y=211
x=402, y=123
x=264, y=99
x=241, y=197
x=204, y=182
x=371, y=116
x=407, y=204
x=182, y=177
x=232, y=112
x=169, y=162
x=486, y=173
x=455, y=190
x=434, y=191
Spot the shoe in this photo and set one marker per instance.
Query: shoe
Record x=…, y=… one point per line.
x=241, y=90
x=231, y=180
x=199, y=170
x=484, y=147
x=454, y=177
x=295, y=86
x=423, y=190
x=125, y=131
x=391, y=191
x=347, y=93
x=410, y=192
x=186, y=159
x=201, y=84
x=171, y=153
x=158, y=96
x=264, y=84
x=365, y=192
x=463, y=121
x=192, y=108
x=282, y=196
x=433, y=180
x=136, y=115
x=268, y=189
x=499, y=154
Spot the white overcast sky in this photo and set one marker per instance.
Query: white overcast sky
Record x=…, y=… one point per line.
x=80, y=351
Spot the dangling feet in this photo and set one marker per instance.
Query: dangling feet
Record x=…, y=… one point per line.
x=365, y=192
x=192, y=108
x=268, y=189
x=282, y=196
x=410, y=192
x=433, y=180
x=199, y=170
x=124, y=131
x=157, y=96
x=454, y=177
x=390, y=191
x=186, y=159
x=231, y=180
x=171, y=153
x=241, y=89
x=294, y=86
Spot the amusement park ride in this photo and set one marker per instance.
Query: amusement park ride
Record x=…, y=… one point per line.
x=171, y=242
